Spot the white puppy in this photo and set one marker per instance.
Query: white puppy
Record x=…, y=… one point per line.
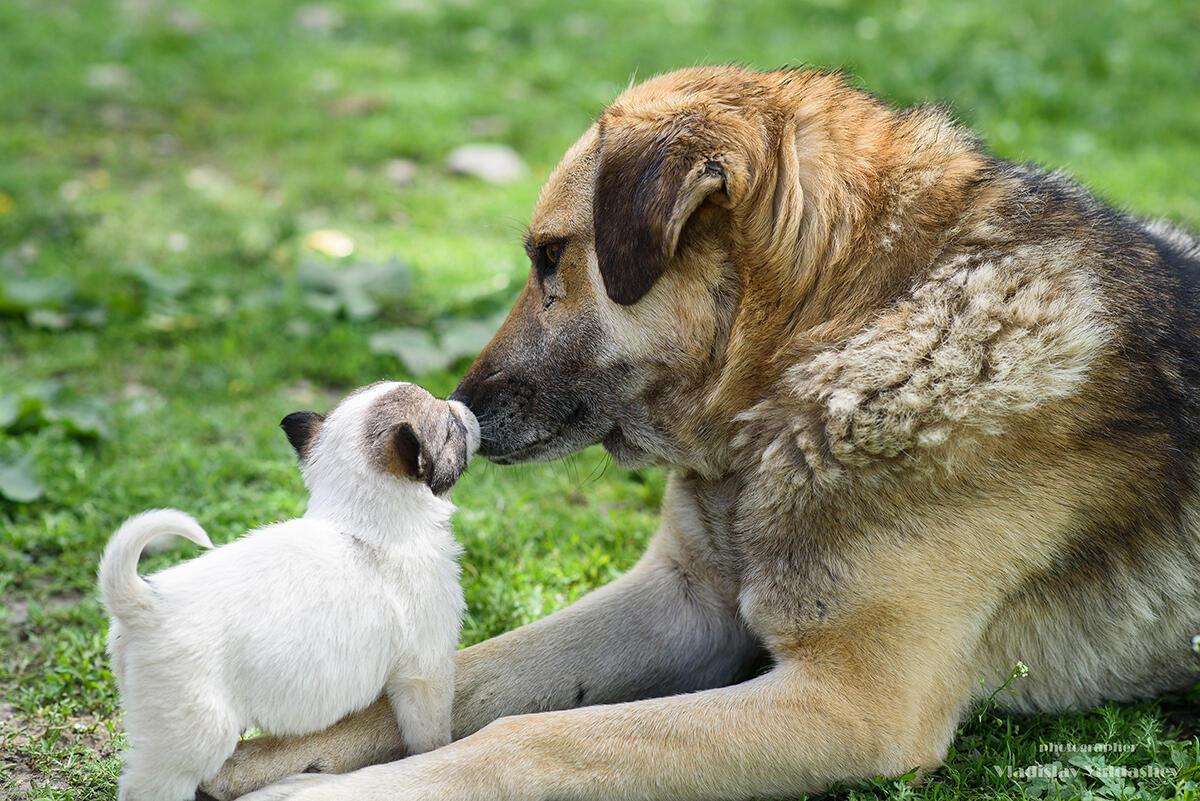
x=300, y=623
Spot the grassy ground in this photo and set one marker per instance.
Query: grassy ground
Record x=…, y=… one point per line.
x=162, y=165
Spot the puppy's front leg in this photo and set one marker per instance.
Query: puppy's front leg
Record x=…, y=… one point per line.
x=422, y=707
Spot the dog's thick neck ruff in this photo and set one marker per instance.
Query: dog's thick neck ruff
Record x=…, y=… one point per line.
x=347, y=488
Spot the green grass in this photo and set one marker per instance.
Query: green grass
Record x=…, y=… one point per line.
x=124, y=125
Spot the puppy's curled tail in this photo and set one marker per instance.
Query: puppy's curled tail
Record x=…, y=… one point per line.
x=126, y=595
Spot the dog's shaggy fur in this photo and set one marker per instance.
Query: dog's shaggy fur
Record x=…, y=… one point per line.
x=927, y=413
x=299, y=623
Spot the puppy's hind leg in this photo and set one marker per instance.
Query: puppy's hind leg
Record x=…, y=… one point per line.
x=422, y=708
x=168, y=762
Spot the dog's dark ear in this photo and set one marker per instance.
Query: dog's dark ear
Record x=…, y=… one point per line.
x=647, y=188
x=407, y=456
x=301, y=429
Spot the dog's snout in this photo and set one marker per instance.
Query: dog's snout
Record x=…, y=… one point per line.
x=478, y=389
x=500, y=401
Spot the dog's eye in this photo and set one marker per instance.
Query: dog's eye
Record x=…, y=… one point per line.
x=546, y=258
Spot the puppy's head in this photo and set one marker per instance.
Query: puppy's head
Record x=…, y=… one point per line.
x=391, y=429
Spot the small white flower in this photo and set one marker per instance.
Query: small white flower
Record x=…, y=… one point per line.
x=1020, y=670
x=1196, y=644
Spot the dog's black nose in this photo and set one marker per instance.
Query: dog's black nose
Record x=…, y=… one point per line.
x=463, y=396
x=462, y=393
x=478, y=389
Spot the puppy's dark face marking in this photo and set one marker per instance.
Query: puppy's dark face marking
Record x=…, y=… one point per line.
x=403, y=457
x=414, y=436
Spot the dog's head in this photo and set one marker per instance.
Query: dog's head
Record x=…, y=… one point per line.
x=622, y=331
x=714, y=228
x=390, y=429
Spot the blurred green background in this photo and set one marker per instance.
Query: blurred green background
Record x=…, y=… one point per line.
x=213, y=213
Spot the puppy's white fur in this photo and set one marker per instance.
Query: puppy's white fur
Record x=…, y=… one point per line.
x=293, y=626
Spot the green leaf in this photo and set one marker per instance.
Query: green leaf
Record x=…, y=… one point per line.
x=47, y=403
x=18, y=482
x=19, y=295
x=414, y=347
x=10, y=410
x=358, y=303
x=327, y=304
x=359, y=291
x=50, y=303
x=161, y=284
x=81, y=418
x=462, y=339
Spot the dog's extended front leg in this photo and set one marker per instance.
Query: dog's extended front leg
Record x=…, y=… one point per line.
x=835, y=707
x=669, y=625
x=665, y=627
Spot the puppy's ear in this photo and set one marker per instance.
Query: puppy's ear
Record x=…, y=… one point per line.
x=407, y=458
x=647, y=188
x=407, y=454
x=301, y=429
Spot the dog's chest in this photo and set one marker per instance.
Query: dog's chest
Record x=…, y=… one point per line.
x=784, y=578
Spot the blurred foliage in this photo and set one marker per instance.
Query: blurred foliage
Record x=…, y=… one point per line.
x=216, y=212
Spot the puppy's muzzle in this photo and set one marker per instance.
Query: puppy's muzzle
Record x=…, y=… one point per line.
x=469, y=422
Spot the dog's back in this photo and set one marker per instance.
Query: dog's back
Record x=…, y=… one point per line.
x=1112, y=614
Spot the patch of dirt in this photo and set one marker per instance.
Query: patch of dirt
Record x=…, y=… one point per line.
x=16, y=772
x=17, y=612
x=18, y=608
x=90, y=732
x=84, y=735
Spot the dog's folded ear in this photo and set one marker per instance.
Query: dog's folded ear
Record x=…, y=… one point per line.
x=648, y=185
x=301, y=429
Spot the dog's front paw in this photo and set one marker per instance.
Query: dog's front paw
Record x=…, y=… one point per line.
x=416, y=779
x=257, y=763
x=303, y=787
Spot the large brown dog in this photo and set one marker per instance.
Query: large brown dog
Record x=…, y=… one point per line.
x=927, y=413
